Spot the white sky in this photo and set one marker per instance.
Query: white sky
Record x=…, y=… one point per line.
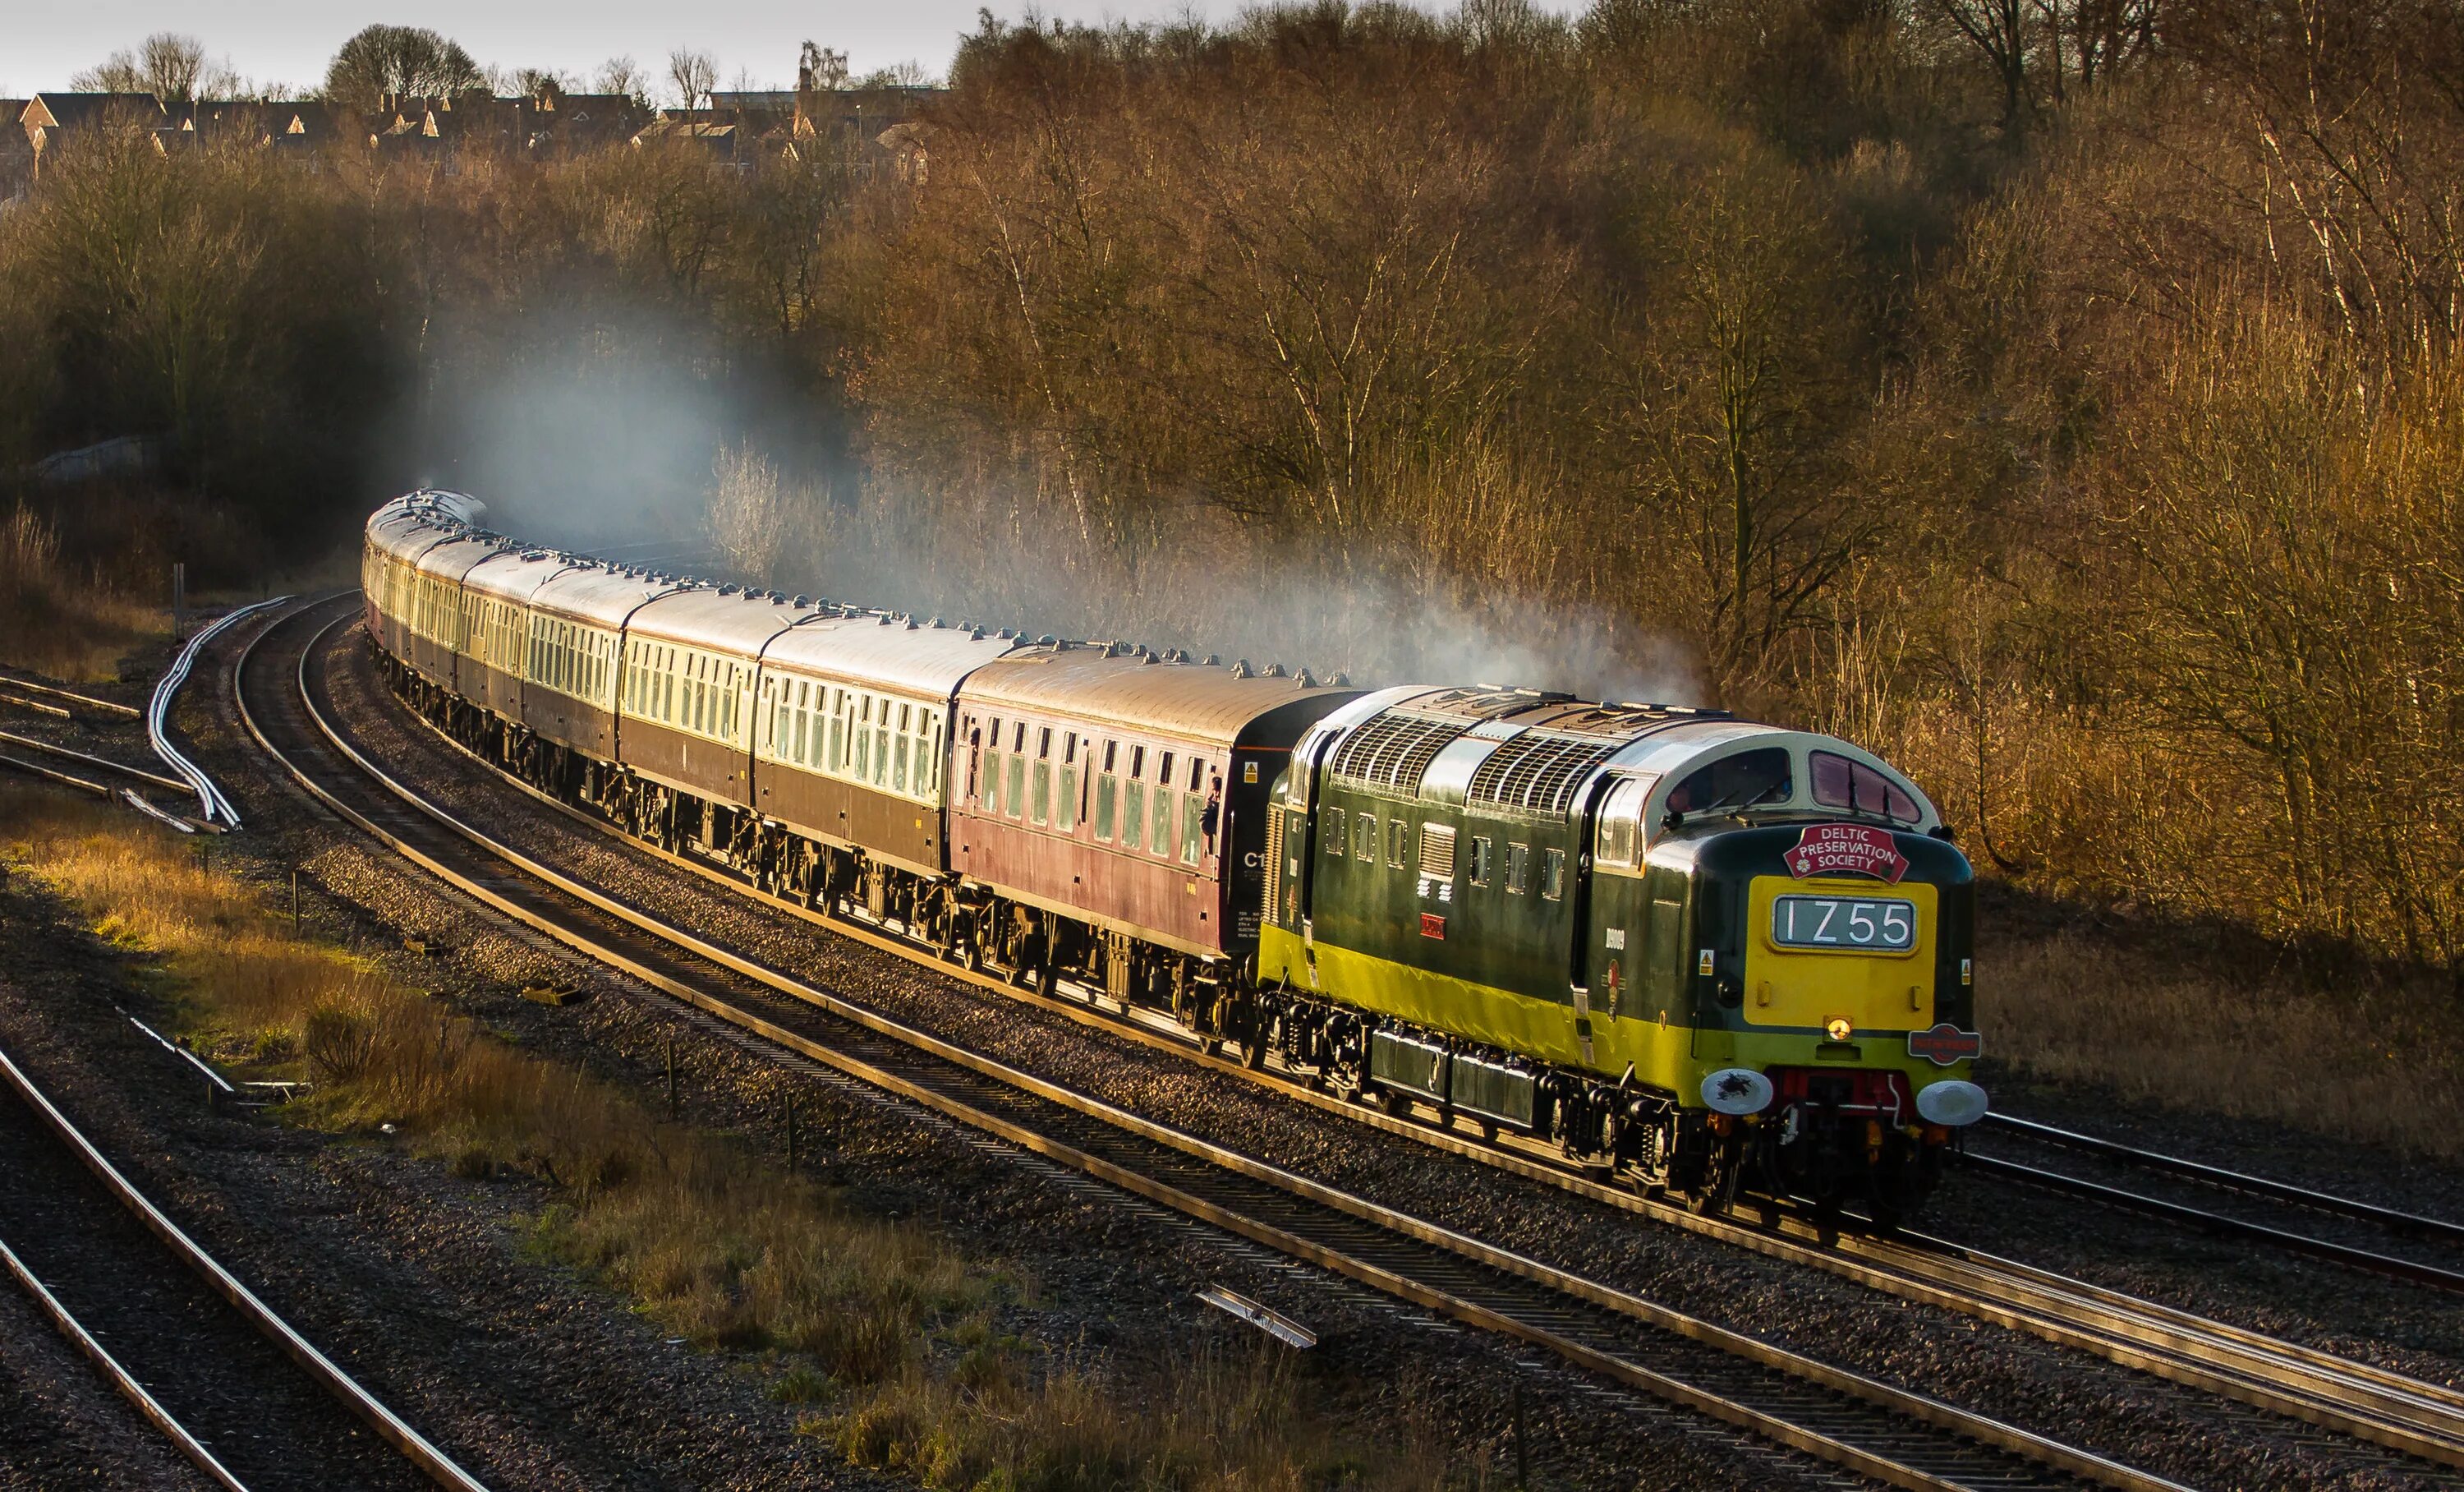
x=42, y=42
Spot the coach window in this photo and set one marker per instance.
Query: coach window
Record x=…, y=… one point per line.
x=1133, y=803
x=1518, y=868
x=1193, y=823
x=1552, y=875
x=905, y=750
x=1107, y=787
x=1484, y=855
x=1331, y=830
x=1041, y=805
x=992, y=768
x=1160, y=827
x=1065, y=811
x=803, y=717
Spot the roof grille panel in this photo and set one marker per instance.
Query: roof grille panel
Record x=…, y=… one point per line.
x=1538, y=770
x=1392, y=751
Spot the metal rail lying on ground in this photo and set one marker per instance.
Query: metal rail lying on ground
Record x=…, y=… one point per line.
x=392, y=1427
x=1538, y=1326
x=89, y=760
x=108, y=706
x=210, y=802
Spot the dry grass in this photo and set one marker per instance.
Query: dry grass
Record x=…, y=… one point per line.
x=2381, y=1065
x=885, y=1328
x=51, y=622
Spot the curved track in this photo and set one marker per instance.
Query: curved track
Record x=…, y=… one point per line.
x=1868, y=1427
x=239, y=1392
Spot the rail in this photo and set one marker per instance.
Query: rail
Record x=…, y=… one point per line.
x=389, y=1426
x=2222, y=1224
x=121, y=1378
x=2387, y=1217
x=2402, y=1415
x=88, y=759
x=210, y=802
x=89, y=702
x=1400, y=1255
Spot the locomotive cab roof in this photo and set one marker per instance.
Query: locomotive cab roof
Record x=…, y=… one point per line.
x=1521, y=753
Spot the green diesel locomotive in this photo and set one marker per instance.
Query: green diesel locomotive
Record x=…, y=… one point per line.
x=1708, y=953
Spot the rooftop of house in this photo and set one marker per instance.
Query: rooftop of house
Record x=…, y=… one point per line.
x=67, y=111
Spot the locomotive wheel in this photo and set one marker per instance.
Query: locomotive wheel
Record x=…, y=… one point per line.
x=1717, y=1191
x=1253, y=1054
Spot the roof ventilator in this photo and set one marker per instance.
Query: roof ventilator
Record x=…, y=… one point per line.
x=1538, y=770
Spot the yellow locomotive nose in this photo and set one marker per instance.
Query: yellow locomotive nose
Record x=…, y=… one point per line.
x=1839, y=1028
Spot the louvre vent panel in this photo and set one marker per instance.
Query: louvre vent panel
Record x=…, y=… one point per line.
x=1274, y=861
x=1394, y=750
x=1538, y=771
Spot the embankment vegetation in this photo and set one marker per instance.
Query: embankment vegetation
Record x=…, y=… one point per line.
x=2061, y=398
x=903, y=1350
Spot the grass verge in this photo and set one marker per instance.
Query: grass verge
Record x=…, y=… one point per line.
x=53, y=623
x=2366, y=1060
x=886, y=1331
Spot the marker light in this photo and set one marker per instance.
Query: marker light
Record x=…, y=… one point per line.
x=1837, y=1027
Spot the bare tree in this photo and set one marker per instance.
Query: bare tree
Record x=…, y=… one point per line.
x=399, y=61
x=693, y=73
x=820, y=69
x=2003, y=32
x=536, y=83
x=624, y=76
x=172, y=67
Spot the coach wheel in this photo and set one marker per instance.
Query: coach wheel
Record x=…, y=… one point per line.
x=1044, y=979
x=971, y=958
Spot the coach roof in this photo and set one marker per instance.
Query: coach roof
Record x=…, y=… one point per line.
x=1189, y=700
x=739, y=625
x=886, y=653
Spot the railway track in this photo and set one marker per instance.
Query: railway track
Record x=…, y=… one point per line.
x=2239, y=1185
x=246, y=1398
x=1645, y=1349
x=2407, y=1420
